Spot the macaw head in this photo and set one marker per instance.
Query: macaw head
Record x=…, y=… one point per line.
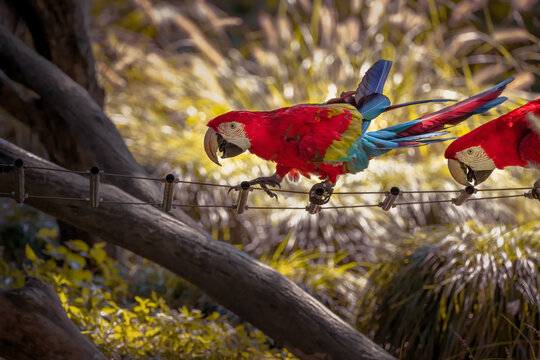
x=228, y=134
x=468, y=161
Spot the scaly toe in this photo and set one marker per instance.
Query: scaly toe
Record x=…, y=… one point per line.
x=268, y=191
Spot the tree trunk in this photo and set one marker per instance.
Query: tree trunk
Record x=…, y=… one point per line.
x=35, y=326
x=256, y=292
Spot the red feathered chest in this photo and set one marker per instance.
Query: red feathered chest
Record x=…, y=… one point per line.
x=297, y=137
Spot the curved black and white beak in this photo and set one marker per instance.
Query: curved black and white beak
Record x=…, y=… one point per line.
x=214, y=142
x=466, y=176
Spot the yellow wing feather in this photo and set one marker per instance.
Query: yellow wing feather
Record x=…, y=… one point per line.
x=340, y=147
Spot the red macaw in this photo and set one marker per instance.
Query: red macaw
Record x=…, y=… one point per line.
x=512, y=139
x=330, y=139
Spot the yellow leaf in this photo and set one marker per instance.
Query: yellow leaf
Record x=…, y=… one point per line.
x=97, y=253
x=30, y=254
x=80, y=275
x=75, y=311
x=50, y=233
x=63, y=298
x=75, y=261
x=78, y=245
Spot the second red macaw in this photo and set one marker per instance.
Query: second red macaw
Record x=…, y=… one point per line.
x=512, y=139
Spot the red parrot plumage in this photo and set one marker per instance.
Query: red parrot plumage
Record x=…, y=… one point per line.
x=330, y=139
x=512, y=139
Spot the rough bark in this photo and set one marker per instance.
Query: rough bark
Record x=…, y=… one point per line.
x=35, y=326
x=253, y=290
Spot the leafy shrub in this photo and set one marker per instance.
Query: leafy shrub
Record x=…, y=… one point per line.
x=93, y=293
x=472, y=292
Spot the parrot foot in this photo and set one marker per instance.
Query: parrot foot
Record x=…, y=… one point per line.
x=263, y=181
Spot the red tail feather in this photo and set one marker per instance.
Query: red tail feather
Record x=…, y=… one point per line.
x=454, y=114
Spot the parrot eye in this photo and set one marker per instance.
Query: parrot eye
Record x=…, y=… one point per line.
x=470, y=151
x=233, y=126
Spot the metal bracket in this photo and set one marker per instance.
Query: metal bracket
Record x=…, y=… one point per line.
x=243, y=193
x=535, y=191
x=19, y=194
x=391, y=197
x=94, y=187
x=168, y=192
x=319, y=195
x=464, y=195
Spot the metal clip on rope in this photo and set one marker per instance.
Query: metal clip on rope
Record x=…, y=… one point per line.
x=19, y=194
x=94, y=187
x=390, y=199
x=464, y=195
x=535, y=191
x=318, y=195
x=168, y=192
x=243, y=193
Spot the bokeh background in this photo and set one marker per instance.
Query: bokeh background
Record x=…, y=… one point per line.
x=425, y=281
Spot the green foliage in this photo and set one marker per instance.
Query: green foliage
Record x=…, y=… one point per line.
x=93, y=293
x=466, y=292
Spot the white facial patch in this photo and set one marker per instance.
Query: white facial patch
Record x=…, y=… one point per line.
x=476, y=158
x=235, y=133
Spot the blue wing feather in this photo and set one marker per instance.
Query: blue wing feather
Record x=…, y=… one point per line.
x=374, y=79
x=491, y=104
x=373, y=105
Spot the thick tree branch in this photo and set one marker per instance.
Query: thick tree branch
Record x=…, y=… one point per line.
x=254, y=291
x=59, y=33
x=41, y=119
x=19, y=104
x=35, y=326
